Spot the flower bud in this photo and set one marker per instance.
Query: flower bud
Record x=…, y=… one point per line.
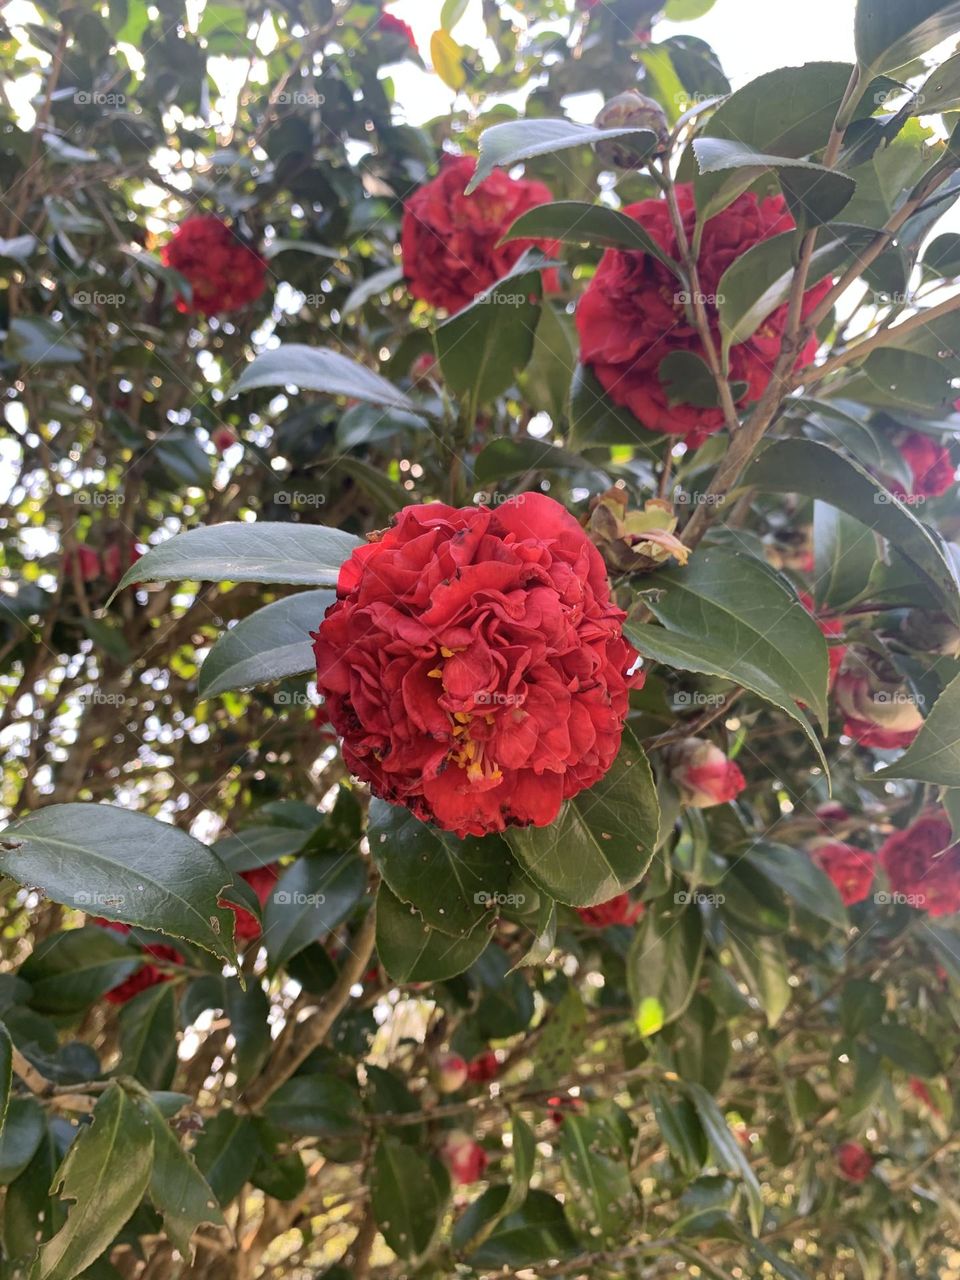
x=702, y=773
x=854, y=1162
x=880, y=711
x=931, y=632
x=463, y=1156
x=450, y=1073
x=631, y=110
x=634, y=541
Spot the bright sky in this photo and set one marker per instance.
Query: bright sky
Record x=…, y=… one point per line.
x=749, y=36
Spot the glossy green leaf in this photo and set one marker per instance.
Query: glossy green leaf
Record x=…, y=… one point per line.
x=763, y=963
x=795, y=872
x=535, y=1232
x=890, y=33
x=127, y=866
x=731, y=599
x=307, y=554
x=576, y=222
x=227, y=1150
x=409, y=1193
x=248, y=1012
x=664, y=960
x=23, y=1129
x=105, y=1174
x=312, y=897
x=603, y=839
x=727, y=1150
x=317, y=369
x=818, y=471
x=453, y=883
x=595, y=419
x=906, y=1049
x=604, y=1202
x=178, y=1190
x=504, y=145
x=316, y=1104
x=148, y=1036
x=71, y=969
x=271, y=644
x=934, y=754
x=845, y=553
x=411, y=951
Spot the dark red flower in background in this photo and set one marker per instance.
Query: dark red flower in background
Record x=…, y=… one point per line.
x=261, y=880
x=390, y=24
x=633, y=313
x=451, y=242
x=930, y=465
x=148, y=975
x=851, y=869
x=923, y=864
x=619, y=910
x=854, y=1161
x=223, y=270
x=474, y=664
x=464, y=1157
x=483, y=1068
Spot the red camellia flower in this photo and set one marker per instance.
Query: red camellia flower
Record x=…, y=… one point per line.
x=922, y=1094
x=390, y=24
x=474, y=664
x=619, y=910
x=851, y=869
x=118, y=558
x=930, y=464
x=702, y=773
x=451, y=242
x=923, y=864
x=223, y=271
x=148, y=975
x=854, y=1162
x=483, y=1068
x=830, y=627
x=261, y=880
x=633, y=314
x=88, y=561
x=464, y=1157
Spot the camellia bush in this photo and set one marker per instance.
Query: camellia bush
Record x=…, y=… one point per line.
x=479, y=631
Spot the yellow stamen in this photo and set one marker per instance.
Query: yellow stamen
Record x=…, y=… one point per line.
x=461, y=717
x=435, y=674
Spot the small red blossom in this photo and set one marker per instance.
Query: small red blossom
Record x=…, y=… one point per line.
x=854, y=1162
x=148, y=975
x=702, y=773
x=224, y=272
x=261, y=880
x=88, y=561
x=634, y=312
x=618, y=910
x=464, y=1157
x=222, y=439
x=930, y=465
x=923, y=865
x=474, y=664
x=118, y=558
x=851, y=869
x=390, y=24
x=483, y=1068
x=831, y=813
x=451, y=242
x=450, y=1073
x=559, y=1104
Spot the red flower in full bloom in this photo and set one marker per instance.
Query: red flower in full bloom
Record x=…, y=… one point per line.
x=474, y=664
x=854, y=1162
x=633, y=314
x=148, y=975
x=261, y=880
x=702, y=773
x=929, y=462
x=464, y=1157
x=851, y=869
x=830, y=627
x=923, y=864
x=619, y=910
x=223, y=271
x=390, y=24
x=483, y=1067
x=451, y=242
